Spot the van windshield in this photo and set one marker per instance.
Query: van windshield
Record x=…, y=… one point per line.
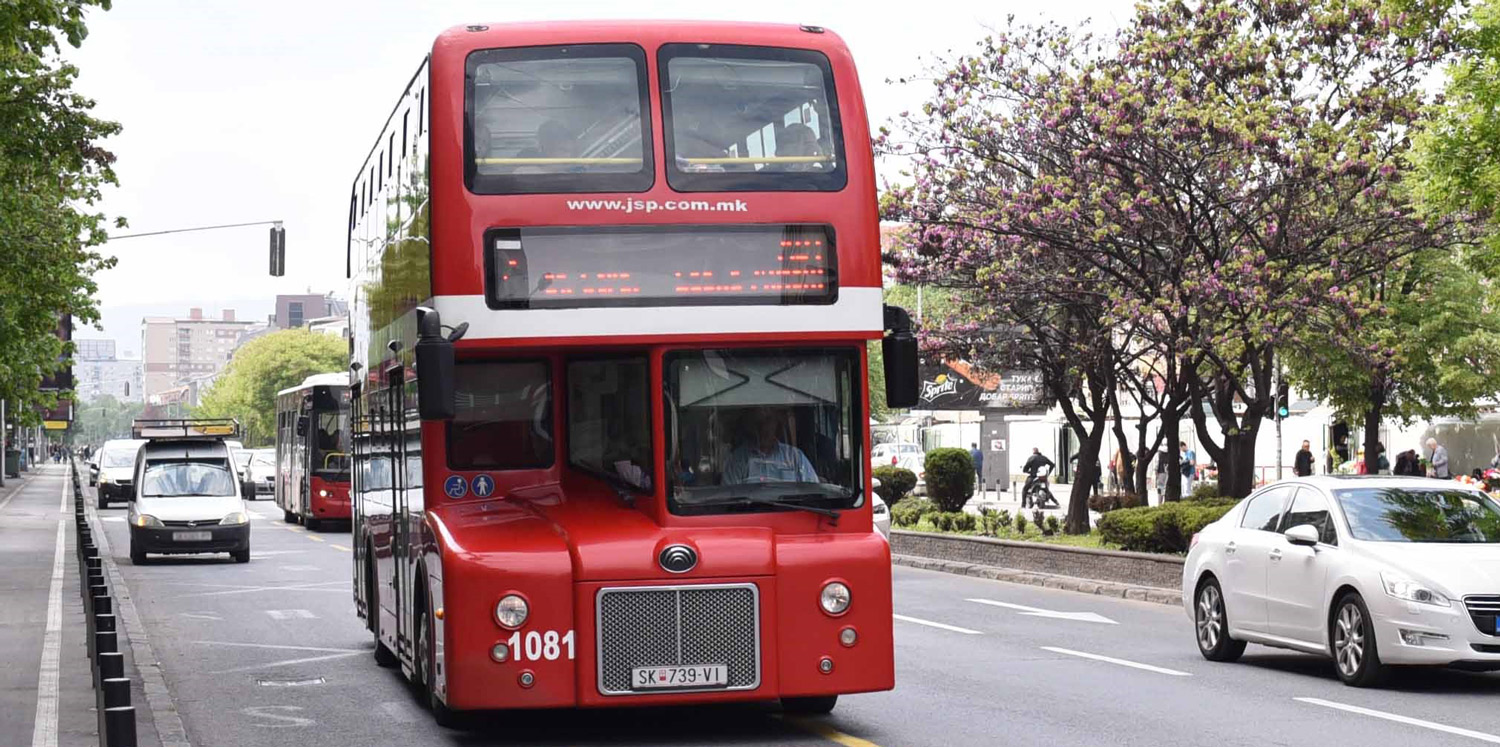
x=176, y=479
x=118, y=458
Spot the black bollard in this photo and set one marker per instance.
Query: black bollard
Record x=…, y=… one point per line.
x=111, y=693
x=110, y=665
x=91, y=599
x=101, y=624
x=104, y=643
x=103, y=605
x=119, y=727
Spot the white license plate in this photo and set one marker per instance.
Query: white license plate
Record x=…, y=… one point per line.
x=667, y=678
x=192, y=536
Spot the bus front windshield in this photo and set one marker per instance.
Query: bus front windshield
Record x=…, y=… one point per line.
x=330, y=453
x=750, y=429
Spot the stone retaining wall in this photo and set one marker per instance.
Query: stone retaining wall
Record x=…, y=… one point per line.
x=1111, y=566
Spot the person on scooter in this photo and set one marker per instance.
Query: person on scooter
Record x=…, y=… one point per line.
x=1035, y=463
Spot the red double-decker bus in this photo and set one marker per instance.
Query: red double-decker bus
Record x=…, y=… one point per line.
x=613, y=287
x=312, y=450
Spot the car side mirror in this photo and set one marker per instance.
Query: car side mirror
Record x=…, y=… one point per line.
x=874, y=483
x=93, y=466
x=1305, y=535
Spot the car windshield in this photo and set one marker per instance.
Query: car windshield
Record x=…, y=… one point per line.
x=1420, y=515
x=263, y=460
x=242, y=458
x=758, y=425
x=209, y=477
x=118, y=458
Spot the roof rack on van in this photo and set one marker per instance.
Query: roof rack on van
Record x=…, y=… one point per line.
x=216, y=428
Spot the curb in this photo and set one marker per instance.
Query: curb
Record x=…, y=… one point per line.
x=1153, y=594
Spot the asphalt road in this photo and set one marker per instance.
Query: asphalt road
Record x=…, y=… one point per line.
x=271, y=653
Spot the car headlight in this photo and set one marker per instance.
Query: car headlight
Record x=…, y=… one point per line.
x=880, y=509
x=146, y=520
x=105, y=479
x=835, y=598
x=234, y=517
x=1403, y=587
x=511, y=611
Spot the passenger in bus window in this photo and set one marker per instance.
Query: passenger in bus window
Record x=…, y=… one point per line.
x=797, y=140
x=554, y=139
x=763, y=456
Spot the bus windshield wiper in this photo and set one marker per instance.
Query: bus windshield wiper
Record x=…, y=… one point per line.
x=746, y=500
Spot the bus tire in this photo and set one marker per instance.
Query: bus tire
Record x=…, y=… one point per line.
x=426, y=664
x=288, y=516
x=384, y=657
x=817, y=705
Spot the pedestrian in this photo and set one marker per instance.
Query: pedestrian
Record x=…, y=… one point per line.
x=1381, y=461
x=1302, y=465
x=1439, y=462
x=1189, y=468
x=1162, y=463
x=1407, y=464
x=978, y=457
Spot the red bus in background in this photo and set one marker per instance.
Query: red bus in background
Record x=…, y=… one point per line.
x=312, y=450
x=613, y=285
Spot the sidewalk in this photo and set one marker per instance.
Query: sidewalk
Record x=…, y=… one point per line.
x=41, y=621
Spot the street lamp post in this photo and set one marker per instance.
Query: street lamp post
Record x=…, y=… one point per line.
x=278, y=239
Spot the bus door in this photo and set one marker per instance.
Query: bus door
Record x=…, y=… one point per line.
x=402, y=551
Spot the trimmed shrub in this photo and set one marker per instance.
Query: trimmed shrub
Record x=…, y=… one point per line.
x=1020, y=523
x=895, y=483
x=908, y=512
x=953, y=521
x=950, y=477
x=1039, y=520
x=1052, y=527
x=1106, y=502
x=1166, y=528
x=1204, y=491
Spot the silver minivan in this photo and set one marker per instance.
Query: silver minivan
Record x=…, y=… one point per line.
x=187, y=500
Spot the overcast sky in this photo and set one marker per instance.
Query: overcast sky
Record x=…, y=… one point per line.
x=236, y=111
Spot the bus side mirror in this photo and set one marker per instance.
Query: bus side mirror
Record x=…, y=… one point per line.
x=899, y=348
x=434, y=353
x=302, y=425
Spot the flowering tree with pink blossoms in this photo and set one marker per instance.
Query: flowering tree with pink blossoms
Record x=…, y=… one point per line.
x=1204, y=179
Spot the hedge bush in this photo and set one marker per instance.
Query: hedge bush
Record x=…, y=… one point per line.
x=1204, y=491
x=950, y=477
x=1165, y=528
x=1105, y=502
x=908, y=512
x=953, y=521
x=895, y=483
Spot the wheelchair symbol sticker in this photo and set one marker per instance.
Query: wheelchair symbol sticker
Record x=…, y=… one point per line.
x=456, y=486
x=484, y=485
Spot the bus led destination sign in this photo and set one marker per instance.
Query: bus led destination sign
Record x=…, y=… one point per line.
x=660, y=266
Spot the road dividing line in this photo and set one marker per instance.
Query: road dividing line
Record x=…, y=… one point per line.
x=316, y=538
x=339, y=547
x=815, y=726
x=931, y=624
x=44, y=729
x=1446, y=729
x=1112, y=660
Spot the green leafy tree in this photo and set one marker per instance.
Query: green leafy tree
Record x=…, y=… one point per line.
x=52, y=168
x=264, y=366
x=105, y=418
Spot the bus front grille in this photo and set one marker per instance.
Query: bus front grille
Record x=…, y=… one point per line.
x=696, y=625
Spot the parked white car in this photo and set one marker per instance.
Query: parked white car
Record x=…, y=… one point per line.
x=1369, y=571
x=904, y=455
x=882, y=514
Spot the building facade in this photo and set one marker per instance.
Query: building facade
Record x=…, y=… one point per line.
x=177, y=352
x=294, y=311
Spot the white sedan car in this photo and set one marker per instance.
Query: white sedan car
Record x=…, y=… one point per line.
x=1369, y=571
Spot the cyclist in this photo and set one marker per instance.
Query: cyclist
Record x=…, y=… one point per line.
x=1034, y=464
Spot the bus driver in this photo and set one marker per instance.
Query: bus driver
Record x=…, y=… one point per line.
x=763, y=457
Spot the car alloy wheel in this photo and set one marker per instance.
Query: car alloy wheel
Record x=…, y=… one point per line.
x=1349, y=640
x=1212, y=624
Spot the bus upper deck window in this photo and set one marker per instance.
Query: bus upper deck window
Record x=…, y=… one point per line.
x=741, y=118
x=558, y=119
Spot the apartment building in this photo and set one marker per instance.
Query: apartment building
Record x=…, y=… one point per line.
x=177, y=352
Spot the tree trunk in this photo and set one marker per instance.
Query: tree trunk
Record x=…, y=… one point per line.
x=1372, y=429
x=1127, y=464
x=1085, y=477
x=1170, y=431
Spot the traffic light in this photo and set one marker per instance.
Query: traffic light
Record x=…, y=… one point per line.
x=278, y=251
x=1283, y=401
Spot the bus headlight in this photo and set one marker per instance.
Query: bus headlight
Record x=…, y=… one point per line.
x=511, y=611
x=835, y=598
x=322, y=494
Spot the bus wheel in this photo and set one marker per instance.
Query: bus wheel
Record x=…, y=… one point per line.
x=288, y=517
x=426, y=664
x=383, y=655
x=815, y=706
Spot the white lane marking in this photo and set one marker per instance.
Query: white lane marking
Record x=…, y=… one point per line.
x=281, y=647
x=275, y=716
x=287, y=662
x=298, y=567
x=291, y=614
x=1471, y=734
x=44, y=729
x=931, y=624
x=1112, y=660
x=250, y=589
x=205, y=616
x=113, y=519
x=1038, y=612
